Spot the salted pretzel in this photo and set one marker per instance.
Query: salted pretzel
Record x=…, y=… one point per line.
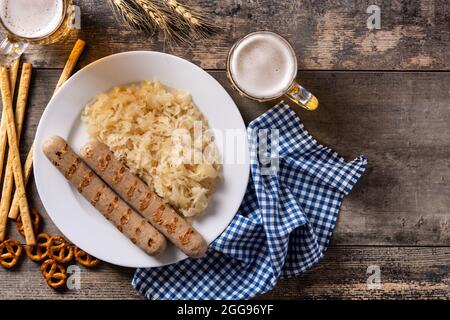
x=10, y=252
x=54, y=273
x=85, y=259
x=39, y=251
x=59, y=250
x=35, y=219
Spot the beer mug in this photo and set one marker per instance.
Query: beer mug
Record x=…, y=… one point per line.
x=262, y=66
x=35, y=22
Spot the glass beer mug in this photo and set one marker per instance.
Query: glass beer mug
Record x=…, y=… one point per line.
x=35, y=22
x=262, y=66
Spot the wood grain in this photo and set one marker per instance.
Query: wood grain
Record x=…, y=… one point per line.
x=396, y=217
x=105, y=282
x=406, y=273
x=414, y=35
x=398, y=120
x=402, y=200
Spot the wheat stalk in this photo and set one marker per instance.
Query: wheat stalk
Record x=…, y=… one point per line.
x=160, y=18
x=192, y=19
x=177, y=22
x=128, y=14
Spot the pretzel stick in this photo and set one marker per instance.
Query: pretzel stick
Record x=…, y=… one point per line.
x=21, y=104
x=3, y=138
x=13, y=143
x=28, y=167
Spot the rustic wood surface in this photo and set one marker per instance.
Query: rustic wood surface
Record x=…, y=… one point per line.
x=414, y=35
x=383, y=93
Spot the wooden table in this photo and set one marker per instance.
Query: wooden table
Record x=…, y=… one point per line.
x=383, y=93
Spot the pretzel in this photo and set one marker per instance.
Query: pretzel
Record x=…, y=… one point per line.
x=85, y=259
x=54, y=273
x=35, y=220
x=10, y=251
x=59, y=250
x=39, y=251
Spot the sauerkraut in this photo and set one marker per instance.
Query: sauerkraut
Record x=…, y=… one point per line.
x=154, y=131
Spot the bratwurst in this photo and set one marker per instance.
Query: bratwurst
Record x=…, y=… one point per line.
x=133, y=190
x=128, y=221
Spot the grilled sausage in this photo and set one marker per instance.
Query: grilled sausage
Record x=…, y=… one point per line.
x=139, y=195
x=128, y=221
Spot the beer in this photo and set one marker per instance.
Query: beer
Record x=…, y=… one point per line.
x=262, y=66
x=35, y=22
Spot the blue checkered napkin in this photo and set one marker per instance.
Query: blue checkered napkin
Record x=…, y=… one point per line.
x=283, y=226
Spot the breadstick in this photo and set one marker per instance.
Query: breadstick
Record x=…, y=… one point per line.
x=133, y=190
x=17, y=167
x=71, y=62
x=8, y=182
x=13, y=71
x=128, y=221
x=68, y=68
x=3, y=138
x=28, y=169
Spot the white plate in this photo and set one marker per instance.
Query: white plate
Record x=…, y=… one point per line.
x=77, y=219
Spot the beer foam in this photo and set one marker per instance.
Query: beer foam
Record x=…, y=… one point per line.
x=31, y=19
x=263, y=65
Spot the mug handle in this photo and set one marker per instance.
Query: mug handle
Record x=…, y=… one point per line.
x=10, y=50
x=302, y=97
